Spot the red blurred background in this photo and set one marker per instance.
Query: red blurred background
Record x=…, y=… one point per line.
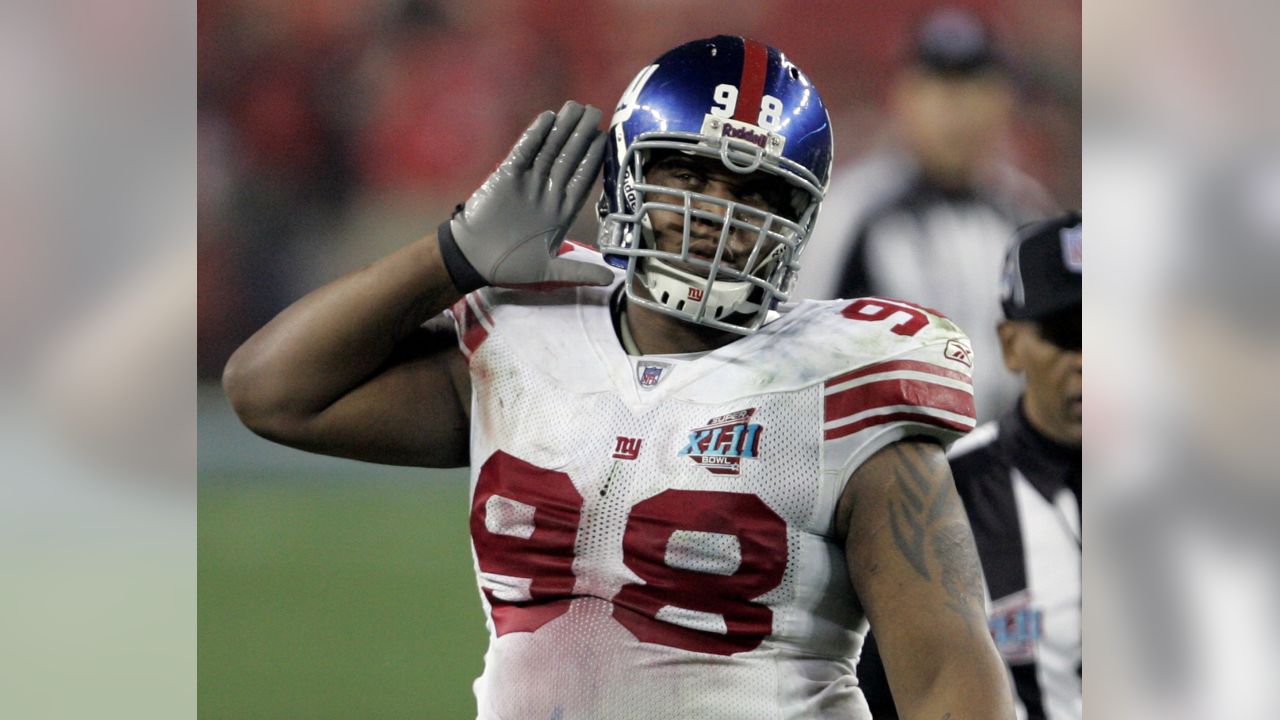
x=332, y=131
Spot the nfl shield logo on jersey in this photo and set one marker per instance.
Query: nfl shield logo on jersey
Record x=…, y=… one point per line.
x=650, y=374
x=721, y=444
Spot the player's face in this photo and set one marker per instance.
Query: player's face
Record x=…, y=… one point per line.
x=708, y=176
x=1049, y=356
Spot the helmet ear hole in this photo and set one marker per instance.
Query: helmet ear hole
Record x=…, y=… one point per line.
x=602, y=206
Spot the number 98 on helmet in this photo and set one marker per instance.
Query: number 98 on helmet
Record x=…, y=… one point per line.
x=746, y=112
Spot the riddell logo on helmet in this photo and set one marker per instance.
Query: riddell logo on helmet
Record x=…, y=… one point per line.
x=628, y=190
x=745, y=133
x=772, y=143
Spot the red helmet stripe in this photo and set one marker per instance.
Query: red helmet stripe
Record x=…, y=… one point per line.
x=755, y=62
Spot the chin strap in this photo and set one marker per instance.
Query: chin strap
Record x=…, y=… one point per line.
x=624, y=330
x=676, y=289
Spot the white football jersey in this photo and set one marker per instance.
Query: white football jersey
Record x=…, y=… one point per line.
x=654, y=538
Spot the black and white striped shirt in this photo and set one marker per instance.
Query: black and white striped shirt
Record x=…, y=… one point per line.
x=886, y=230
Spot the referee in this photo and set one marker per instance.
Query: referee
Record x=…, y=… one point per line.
x=927, y=213
x=1019, y=478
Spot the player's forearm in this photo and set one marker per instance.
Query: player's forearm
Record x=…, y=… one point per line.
x=327, y=343
x=914, y=564
x=966, y=682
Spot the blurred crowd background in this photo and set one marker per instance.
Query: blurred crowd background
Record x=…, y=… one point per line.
x=332, y=131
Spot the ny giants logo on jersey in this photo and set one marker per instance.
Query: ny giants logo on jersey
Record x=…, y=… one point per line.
x=721, y=444
x=626, y=448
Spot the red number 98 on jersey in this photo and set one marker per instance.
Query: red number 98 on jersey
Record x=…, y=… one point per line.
x=707, y=610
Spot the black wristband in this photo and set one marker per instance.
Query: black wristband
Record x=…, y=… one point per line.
x=461, y=271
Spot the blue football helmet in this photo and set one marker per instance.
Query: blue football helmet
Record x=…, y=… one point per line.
x=746, y=105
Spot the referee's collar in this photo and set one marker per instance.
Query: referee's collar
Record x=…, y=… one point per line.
x=1047, y=464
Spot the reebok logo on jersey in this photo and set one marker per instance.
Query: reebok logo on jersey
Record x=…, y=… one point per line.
x=958, y=351
x=721, y=444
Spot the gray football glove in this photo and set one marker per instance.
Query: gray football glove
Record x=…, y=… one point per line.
x=508, y=232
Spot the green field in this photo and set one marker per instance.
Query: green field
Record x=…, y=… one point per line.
x=336, y=598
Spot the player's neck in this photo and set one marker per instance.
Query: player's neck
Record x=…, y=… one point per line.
x=655, y=333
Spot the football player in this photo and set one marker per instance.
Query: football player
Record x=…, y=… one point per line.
x=687, y=499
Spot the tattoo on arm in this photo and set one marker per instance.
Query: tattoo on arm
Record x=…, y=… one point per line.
x=961, y=570
x=920, y=505
x=925, y=517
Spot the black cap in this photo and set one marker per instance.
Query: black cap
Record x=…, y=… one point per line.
x=954, y=41
x=1042, y=272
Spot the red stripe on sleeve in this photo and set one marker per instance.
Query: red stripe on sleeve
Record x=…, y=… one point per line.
x=852, y=428
x=567, y=247
x=460, y=311
x=755, y=62
x=478, y=305
x=900, y=365
x=470, y=330
x=884, y=393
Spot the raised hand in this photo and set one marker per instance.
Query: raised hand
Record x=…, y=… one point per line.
x=511, y=227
